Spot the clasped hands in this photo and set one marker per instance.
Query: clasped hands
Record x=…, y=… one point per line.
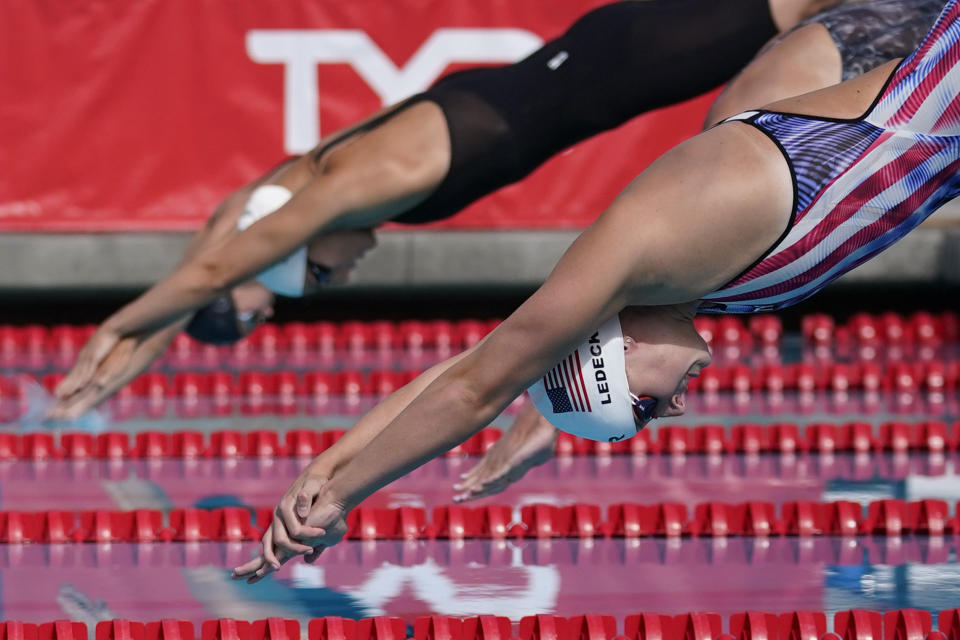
x=305, y=522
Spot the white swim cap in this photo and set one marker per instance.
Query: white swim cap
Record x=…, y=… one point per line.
x=587, y=393
x=286, y=277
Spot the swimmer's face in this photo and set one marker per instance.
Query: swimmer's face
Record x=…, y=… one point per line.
x=333, y=255
x=662, y=369
x=254, y=305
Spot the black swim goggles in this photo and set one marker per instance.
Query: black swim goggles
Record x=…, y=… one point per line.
x=320, y=272
x=250, y=320
x=643, y=409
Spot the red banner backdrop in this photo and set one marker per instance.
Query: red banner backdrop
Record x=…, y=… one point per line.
x=140, y=116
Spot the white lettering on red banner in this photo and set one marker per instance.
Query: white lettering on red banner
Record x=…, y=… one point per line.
x=301, y=50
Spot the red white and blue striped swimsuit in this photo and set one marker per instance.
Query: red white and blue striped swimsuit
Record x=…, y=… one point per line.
x=862, y=184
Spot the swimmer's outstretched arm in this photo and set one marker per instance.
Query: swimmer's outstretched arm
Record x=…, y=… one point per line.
x=133, y=355
x=686, y=226
x=692, y=221
x=366, y=180
x=289, y=515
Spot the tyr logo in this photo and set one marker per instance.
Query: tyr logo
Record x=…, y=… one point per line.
x=300, y=50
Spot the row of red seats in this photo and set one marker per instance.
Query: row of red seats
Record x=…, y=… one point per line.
x=858, y=437
x=358, y=336
x=34, y=346
x=856, y=624
x=788, y=468
x=821, y=437
x=282, y=387
x=936, y=376
x=713, y=519
x=595, y=556
x=884, y=329
x=33, y=342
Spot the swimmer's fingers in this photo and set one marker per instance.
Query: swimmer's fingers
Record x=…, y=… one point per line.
x=295, y=506
x=304, y=498
x=258, y=567
x=266, y=549
x=88, y=361
x=245, y=571
x=262, y=566
x=490, y=469
x=482, y=489
x=283, y=541
x=77, y=404
x=117, y=369
x=470, y=477
x=474, y=476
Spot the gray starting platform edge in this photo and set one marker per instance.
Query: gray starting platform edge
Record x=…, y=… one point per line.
x=126, y=261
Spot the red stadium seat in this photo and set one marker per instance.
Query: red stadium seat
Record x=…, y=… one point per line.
x=858, y=624
x=256, y=393
x=543, y=627
x=120, y=630
x=275, y=629
x=384, y=336
x=578, y=521
x=749, y=438
x=77, y=446
x=190, y=525
x=802, y=518
x=696, y=626
x=263, y=443
x=332, y=628
x=10, y=446
x=319, y=389
x=757, y=519
x=354, y=336
x=886, y=518
x=152, y=444
x=188, y=444
x=929, y=518
x=231, y=524
x=712, y=519
x=284, y=386
x=668, y=519
x=649, y=626
x=381, y=628
x=675, y=440
x=754, y=625
x=225, y=629
x=455, y=522
x=62, y=630
x=438, y=628
x=302, y=443
x=842, y=518
x=710, y=439
x=767, y=329
x=541, y=520
x=628, y=521
x=39, y=446
x=802, y=625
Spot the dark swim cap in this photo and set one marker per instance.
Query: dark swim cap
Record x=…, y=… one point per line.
x=216, y=323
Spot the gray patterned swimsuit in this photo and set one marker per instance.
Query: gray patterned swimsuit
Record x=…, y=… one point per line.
x=869, y=33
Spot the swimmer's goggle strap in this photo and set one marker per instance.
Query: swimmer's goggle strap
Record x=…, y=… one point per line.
x=321, y=273
x=643, y=409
